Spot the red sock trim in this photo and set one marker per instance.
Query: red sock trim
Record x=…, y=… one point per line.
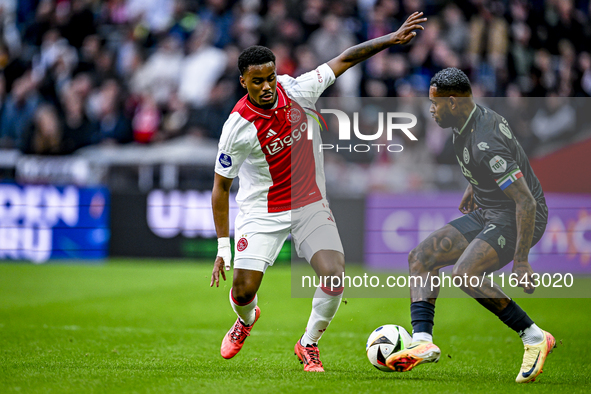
x=332, y=292
x=240, y=303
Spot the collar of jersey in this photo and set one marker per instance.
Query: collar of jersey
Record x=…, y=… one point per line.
x=282, y=101
x=468, y=120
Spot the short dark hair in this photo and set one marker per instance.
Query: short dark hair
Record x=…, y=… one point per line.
x=451, y=80
x=253, y=56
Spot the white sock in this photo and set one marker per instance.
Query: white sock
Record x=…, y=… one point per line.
x=532, y=335
x=421, y=336
x=246, y=313
x=324, y=307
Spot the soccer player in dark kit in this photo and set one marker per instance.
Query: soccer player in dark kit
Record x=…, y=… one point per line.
x=511, y=219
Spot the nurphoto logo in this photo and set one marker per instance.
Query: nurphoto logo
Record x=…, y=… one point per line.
x=392, y=124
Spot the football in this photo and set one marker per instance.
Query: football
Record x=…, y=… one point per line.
x=384, y=341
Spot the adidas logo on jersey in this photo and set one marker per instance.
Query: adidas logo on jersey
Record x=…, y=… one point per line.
x=271, y=133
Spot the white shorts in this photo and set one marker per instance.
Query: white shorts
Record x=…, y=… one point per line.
x=259, y=237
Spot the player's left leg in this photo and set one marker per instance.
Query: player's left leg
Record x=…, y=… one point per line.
x=477, y=261
x=326, y=302
x=322, y=248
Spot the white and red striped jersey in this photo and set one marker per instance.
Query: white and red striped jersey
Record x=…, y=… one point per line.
x=269, y=150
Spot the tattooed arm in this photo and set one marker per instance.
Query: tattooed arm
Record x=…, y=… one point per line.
x=367, y=49
x=525, y=213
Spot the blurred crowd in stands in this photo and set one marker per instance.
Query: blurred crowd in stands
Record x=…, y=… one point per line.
x=82, y=72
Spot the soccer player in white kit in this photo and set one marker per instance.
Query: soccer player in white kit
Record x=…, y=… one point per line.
x=264, y=142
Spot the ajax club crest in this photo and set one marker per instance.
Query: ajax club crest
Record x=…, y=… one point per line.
x=242, y=244
x=294, y=115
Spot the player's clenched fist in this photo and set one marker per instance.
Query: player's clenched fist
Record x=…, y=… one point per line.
x=524, y=276
x=468, y=204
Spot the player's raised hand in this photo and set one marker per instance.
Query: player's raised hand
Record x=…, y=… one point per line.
x=218, y=267
x=407, y=30
x=524, y=274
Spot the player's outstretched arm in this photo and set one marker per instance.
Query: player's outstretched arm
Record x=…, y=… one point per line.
x=367, y=49
x=525, y=212
x=220, y=202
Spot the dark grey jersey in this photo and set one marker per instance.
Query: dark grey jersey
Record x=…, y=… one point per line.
x=491, y=159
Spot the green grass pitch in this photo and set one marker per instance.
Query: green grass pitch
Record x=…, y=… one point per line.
x=156, y=327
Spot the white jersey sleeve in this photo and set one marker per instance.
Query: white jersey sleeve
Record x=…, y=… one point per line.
x=308, y=86
x=236, y=144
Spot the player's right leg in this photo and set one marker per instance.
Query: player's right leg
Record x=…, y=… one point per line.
x=442, y=248
x=261, y=239
x=243, y=299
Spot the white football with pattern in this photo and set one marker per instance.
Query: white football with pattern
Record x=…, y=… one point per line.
x=384, y=341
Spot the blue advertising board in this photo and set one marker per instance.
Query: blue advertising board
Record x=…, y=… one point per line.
x=43, y=222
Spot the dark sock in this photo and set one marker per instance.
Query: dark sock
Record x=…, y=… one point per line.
x=421, y=315
x=515, y=317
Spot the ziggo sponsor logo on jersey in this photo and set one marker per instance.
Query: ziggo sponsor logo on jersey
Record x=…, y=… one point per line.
x=278, y=144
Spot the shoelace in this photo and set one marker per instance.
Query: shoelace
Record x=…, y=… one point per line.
x=237, y=333
x=314, y=354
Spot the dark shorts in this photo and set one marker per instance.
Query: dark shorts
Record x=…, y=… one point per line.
x=498, y=227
